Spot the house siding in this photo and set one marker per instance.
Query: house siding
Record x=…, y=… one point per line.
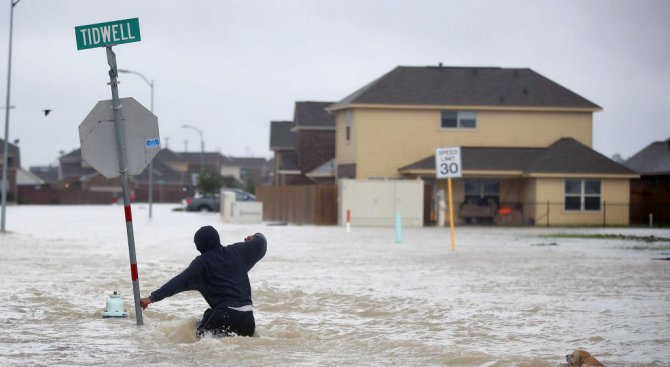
x=314, y=148
x=382, y=140
x=551, y=190
x=345, y=150
x=543, y=199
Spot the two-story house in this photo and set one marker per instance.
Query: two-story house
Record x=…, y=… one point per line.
x=314, y=134
x=305, y=147
x=526, y=143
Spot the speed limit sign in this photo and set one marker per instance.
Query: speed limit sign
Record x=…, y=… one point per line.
x=448, y=162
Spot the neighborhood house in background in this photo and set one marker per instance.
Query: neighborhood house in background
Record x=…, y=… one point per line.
x=304, y=148
x=526, y=146
x=175, y=174
x=650, y=194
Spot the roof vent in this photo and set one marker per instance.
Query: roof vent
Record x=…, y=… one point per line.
x=475, y=71
x=516, y=73
x=439, y=65
x=502, y=98
x=525, y=90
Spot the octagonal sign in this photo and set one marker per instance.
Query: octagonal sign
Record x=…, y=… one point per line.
x=98, y=137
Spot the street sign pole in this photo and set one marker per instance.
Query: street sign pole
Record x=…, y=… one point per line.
x=123, y=168
x=448, y=165
x=451, y=215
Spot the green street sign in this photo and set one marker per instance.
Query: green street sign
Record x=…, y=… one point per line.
x=107, y=34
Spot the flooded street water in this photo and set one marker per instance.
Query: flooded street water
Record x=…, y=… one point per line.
x=324, y=297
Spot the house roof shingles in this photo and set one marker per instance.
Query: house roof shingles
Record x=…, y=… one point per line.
x=281, y=136
x=313, y=114
x=48, y=174
x=162, y=171
x=466, y=86
x=565, y=156
x=71, y=165
x=652, y=160
x=208, y=158
x=247, y=162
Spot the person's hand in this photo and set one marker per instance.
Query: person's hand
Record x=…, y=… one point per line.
x=144, y=302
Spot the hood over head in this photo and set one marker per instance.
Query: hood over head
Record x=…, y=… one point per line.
x=206, y=238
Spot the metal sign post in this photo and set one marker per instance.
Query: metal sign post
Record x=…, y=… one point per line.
x=448, y=165
x=134, y=130
x=121, y=153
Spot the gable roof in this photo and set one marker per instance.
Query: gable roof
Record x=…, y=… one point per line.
x=569, y=156
x=565, y=156
x=466, y=86
x=48, y=174
x=652, y=160
x=247, y=162
x=162, y=169
x=73, y=166
x=327, y=169
x=168, y=155
x=281, y=136
x=208, y=158
x=313, y=115
x=24, y=177
x=162, y=172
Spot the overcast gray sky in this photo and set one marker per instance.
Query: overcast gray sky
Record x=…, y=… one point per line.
x=230, y=67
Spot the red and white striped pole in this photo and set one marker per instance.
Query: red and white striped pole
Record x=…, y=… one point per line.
x=123, y=167
x=348, y=221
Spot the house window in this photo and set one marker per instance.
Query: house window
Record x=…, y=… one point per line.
x=459, y=120
x=348, y=128
x=480, y=191
x=582, y=195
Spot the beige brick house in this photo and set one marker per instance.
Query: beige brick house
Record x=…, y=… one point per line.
x=526, y=144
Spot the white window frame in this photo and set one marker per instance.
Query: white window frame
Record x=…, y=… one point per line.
x=461, y=118
x=347, y=128
x=582, y=195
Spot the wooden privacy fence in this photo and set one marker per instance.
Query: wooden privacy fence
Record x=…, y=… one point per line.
x=49, y=195
x=299, y=204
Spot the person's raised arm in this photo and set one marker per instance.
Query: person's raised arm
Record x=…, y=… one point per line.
x=253, y=249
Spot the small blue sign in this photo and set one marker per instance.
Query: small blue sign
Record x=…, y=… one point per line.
x=153, y=143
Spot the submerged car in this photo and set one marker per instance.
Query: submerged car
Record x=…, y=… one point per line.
x=211, y=203
x=202, y=204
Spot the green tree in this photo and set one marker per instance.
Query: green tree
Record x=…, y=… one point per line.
x=209, y=183
x=250, y=187
x=229, y=182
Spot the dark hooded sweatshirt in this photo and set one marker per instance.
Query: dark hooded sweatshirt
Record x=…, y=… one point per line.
x=220, y=272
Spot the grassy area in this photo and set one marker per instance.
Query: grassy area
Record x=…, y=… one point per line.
x=648, y=239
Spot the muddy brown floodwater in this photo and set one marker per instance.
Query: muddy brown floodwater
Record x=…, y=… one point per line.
x=324, y=297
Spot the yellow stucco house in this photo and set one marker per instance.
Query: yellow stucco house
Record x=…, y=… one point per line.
x=526, y=145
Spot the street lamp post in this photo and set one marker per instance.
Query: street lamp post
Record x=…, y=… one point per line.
x=202, y=146
x=151, y=163
x=5, y=151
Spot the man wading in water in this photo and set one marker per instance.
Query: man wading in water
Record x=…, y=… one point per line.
x=220, y=275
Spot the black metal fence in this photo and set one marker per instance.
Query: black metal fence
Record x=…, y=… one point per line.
x=552, y=213
x=555, y=214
